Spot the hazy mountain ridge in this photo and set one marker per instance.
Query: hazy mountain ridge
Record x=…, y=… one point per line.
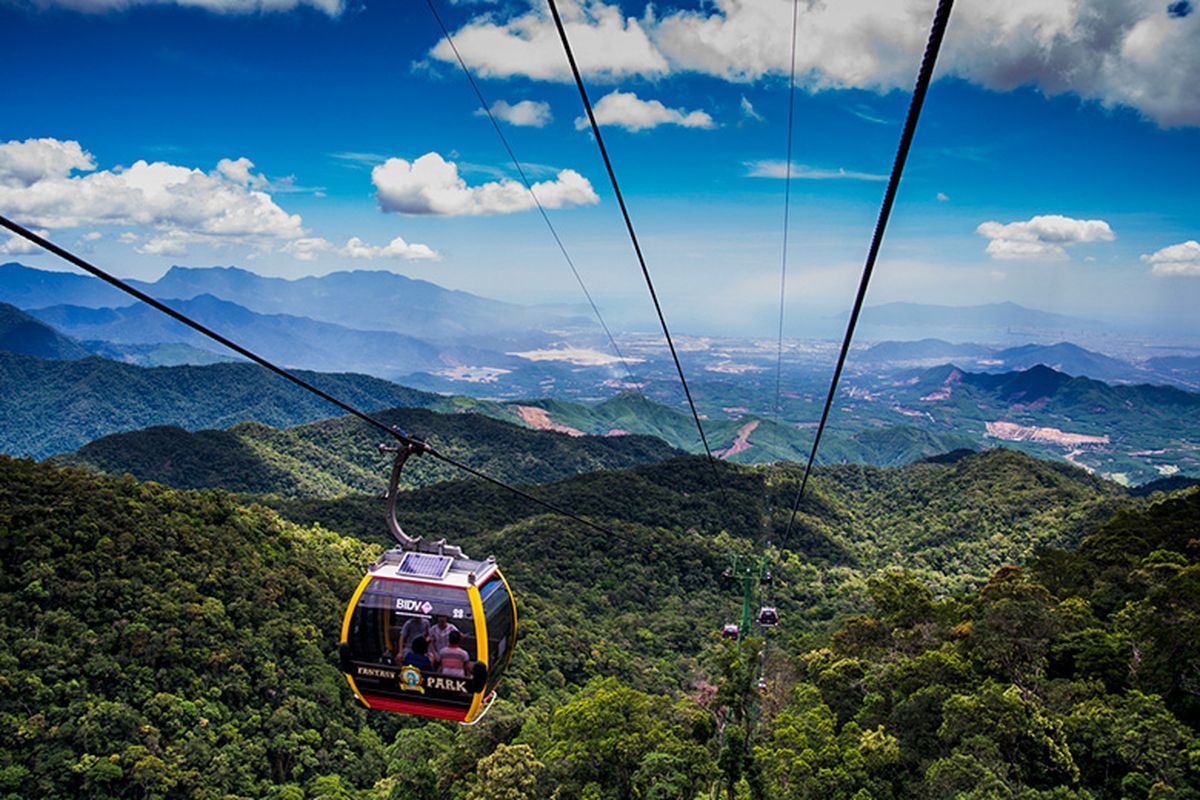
x=283, y=338
x=372, y=300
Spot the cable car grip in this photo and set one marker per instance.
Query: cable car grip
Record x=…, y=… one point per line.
x=410, y=446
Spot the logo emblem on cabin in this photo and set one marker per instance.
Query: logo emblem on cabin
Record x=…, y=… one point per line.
x=410, y=679
x=426, y=607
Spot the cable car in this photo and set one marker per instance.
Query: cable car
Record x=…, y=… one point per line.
x=428, y=631
x=730, y=631
x=768, y=617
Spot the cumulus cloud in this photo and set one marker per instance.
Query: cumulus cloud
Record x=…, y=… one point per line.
x=1121, y=52
x=527, y=113
x=396, y=248
x=183, y=205
x=627, y=110
x=778, y=169
x=607, y=45
x=26, y=163
x=1043, y=237
x=330, y=7
x=942, y=197
x=432, y=185
x=307, y=248
x=20, y=246
x=1178, y=259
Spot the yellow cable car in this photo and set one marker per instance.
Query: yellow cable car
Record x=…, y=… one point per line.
x=428, y=631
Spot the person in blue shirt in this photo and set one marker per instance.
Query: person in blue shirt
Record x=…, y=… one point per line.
x=417, y=656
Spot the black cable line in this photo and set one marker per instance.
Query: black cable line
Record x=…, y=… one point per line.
x=612, y=176
x=924, y=76
x=483, y=103
x=787, y=197
x=390, y=430
x=787, y=203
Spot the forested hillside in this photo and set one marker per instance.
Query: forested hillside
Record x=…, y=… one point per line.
x=339, y=456
x=51, y=407
x=159, y=643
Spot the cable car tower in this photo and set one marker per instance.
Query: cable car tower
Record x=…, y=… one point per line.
x=752, y=572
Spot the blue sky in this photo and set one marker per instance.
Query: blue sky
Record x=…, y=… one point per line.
x=1056, y=163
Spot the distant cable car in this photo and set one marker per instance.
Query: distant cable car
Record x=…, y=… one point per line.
x=730, y=631
x=428, y=631
x=768, y=617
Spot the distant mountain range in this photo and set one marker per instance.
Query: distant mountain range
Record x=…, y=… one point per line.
x=287, y=340
x=998, y=316
x=371, y=300
x=1063, y=357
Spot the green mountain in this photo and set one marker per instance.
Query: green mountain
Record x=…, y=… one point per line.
x=339, y=456
x=50, y=407
x=27, y=335
x=1135, y=433
x=157, y=643
x=21, y=333
x=751, y=439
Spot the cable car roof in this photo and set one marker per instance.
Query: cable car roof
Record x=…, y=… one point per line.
x=433, y=568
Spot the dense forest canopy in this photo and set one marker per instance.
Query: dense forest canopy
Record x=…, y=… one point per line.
x=166, y=643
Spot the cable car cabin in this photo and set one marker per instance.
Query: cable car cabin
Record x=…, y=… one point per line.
x=428, y=634
x=729, y=631
x=768, y=617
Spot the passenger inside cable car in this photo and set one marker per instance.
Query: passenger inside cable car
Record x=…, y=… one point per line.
x=414, y=646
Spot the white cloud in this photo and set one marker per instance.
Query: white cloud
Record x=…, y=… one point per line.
x=1119, y=52
x=330, y=7
x=396, y=248
x=19, y=245
x=628, y=111
x=307, y=248
x=942, y=197
x=778, y=169
x=748, y=111
x=34, y=160
x=527, y=113
x=1178, y=259
x=1042, y=237
x=182, y=205
x=92, y=236
x=431, y=185
x=607, y=45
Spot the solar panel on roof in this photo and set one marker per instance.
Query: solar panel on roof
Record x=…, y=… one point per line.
x=425, y=565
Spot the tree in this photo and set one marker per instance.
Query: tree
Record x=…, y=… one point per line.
x=509, y=773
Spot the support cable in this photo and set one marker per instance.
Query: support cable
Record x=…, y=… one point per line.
x=529, y=187
x=612, y=176
x=390, y=430
x=787, y=203
x=925, y=75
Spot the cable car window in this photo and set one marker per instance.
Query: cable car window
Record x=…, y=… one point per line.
x=497, y=608
x=415, y=641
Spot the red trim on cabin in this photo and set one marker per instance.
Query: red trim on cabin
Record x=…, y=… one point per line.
x=409, y=707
